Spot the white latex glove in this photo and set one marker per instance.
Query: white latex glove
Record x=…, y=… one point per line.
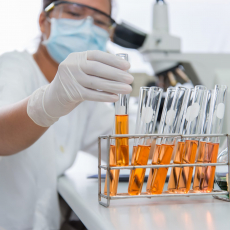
x=91, y=75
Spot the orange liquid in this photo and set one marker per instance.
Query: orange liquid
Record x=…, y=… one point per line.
x=156, y=153
x=199, y=171
x=157, y=177
x=133, y=155
x=204, y=176
x=189, y=156
x=175, y=173
x=114, y=174
x=137, y=176
x=122, y=144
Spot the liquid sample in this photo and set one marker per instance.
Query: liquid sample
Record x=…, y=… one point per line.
x=204, y=176
x=175, y=173
x=114, y=174
x=122, y=144
x=157, y=176
x=154, y=161
x=189, y=156
x=199, y=171
x=133, y=155
x=137, y=176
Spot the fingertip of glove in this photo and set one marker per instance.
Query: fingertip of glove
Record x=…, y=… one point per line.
x=130, y=79
x=124, y=65
x=114, y=98
x=129, y=89
x=125, y=89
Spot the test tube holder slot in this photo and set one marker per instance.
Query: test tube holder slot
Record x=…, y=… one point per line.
x=214, y=193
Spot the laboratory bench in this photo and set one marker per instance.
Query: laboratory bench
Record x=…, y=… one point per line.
x=171, y=213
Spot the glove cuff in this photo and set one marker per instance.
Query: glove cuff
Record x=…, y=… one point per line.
x=36, y=110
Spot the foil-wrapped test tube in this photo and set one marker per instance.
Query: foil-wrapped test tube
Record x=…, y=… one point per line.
x=149, y=102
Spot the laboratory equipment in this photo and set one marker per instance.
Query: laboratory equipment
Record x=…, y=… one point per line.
x=163, y=51
x=185, y=150
x=221, y=176
x=122, y=125
x=165, y=195
x=172, y=120
x=142, y=105
x=114, y=174
x=149, y=103
x=120, y=149
x=208, y=148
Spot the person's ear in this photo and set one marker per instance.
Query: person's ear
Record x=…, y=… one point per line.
x=42, y=22
x=44, y=25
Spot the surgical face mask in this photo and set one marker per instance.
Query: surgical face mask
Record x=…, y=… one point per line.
x=68, y=36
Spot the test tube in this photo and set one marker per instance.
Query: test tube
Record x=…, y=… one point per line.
x=172, y=120
x=142, y=105
x=119, y=149
x=114, y=174
x=149, y=104
x=122, y=125
x=186, y=149
x=208, y=148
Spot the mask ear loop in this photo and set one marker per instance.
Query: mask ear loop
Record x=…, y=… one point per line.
x=44, y=38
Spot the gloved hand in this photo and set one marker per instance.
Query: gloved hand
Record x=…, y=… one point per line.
x=90, y=75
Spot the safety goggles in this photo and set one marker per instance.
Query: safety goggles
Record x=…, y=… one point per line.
x=72, y=10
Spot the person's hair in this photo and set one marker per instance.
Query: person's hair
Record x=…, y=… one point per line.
x=47, y=2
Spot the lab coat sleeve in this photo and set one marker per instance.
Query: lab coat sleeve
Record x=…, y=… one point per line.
x=100, y=122
x=15, y=79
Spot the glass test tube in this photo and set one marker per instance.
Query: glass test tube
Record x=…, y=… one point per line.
x=119, y=148
x=142, y=105
x=149, y=103
x=202, y=142
x=208, y=148
x=172, y=120
x=114, y=174
x=122, y=126
x=186, y=149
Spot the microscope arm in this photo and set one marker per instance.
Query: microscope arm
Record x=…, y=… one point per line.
x=201, y=68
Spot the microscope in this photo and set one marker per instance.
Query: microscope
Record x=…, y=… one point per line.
x=170, y=65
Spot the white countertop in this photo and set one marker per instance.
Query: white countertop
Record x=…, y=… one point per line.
x=186, y=213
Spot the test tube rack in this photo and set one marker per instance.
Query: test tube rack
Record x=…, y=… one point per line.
x=214, y=193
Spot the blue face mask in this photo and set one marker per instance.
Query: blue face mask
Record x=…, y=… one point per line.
x=68, y=36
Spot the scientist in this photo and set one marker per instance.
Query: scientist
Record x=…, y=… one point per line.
x=49, y=108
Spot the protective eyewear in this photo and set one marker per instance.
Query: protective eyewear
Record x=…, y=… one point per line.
x=72, y=10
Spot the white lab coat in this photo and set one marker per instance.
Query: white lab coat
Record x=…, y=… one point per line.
x=28, y=180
